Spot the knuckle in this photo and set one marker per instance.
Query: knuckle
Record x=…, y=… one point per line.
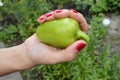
x=81, y=15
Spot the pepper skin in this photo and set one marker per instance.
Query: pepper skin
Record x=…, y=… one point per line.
x=60, y=33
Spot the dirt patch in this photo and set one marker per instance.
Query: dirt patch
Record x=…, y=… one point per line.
x=113, y=37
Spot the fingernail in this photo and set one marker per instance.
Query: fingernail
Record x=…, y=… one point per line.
x=48, y=14
x=74, y=11
x=80, y=46
x=41, y=18
x=58, y=11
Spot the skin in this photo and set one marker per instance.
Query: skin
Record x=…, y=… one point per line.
x=67, y=13
x=33, y=52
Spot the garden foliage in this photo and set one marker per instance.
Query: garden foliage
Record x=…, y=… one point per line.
x=18, y=22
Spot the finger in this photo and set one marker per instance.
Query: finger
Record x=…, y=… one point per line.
x=79, y=17
x=71, y=52
x=41, y=19
x=49, y=16
x=61, y=13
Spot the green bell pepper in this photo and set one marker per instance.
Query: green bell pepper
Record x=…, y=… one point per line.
x=60, y=33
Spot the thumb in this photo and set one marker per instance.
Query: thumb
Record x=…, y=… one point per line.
x=76, y=47
x=72, y=51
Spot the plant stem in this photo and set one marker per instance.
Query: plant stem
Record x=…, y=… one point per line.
x=82, y=35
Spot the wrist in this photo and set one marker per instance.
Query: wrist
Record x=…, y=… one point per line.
x=24, y=62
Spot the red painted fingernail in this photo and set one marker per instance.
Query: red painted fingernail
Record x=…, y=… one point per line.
x=74, y=11
x=58, y=11
x=80, y=46
x=41, y=18
x=48, y=14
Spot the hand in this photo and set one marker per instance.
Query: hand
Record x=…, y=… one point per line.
x=65, y=13
x=40, y=53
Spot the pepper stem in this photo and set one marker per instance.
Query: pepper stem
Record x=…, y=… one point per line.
x=82, y=35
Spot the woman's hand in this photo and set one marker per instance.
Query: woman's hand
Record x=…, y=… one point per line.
x=65, y=13
x=40, y=53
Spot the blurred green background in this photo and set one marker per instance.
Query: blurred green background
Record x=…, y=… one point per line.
x=95, y=62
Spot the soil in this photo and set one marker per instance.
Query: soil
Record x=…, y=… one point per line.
x=113, y=37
